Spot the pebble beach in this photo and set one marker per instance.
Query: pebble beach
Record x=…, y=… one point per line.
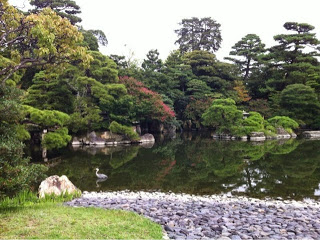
x=225, y=217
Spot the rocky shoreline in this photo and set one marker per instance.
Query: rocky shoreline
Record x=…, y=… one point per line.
x=109, y=139
x=186, y=216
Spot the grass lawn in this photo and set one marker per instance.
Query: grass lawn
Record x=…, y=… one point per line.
x=55, y=221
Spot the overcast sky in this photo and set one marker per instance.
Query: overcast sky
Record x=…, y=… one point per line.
x=141, y=25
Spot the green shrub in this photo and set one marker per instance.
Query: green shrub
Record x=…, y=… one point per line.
x=222, y=115
x=57, y=139
x=125, y=130
x=285, y=122
x=269, y=130
x=254, y=123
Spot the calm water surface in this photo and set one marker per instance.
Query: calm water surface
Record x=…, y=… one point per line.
x=195, y=164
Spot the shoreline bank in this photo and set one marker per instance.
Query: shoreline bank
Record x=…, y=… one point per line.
x=216, y=216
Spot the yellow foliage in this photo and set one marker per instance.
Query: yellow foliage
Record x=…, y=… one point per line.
x=243, y=94
x=52, y=40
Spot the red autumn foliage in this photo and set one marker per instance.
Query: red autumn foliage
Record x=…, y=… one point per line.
x=146, y=99
x=147, y=91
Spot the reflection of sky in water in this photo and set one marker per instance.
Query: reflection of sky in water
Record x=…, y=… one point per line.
x=317, y=191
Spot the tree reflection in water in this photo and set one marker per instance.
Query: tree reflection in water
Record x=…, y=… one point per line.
x=200, y=165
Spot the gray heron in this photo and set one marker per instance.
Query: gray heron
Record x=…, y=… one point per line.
x=100, y=175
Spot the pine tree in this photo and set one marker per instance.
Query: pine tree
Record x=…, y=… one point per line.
x=50, y=92
x=247, y=52
x=294, y=59
x=64, y=8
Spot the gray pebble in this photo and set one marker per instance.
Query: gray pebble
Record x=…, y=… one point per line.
x=236, y=237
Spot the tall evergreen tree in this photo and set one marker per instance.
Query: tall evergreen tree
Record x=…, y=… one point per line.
x=49, y=91
x=247, y=51
x=152, y=73
x=300, y=102
x=153, y=62
x=294, y=59
x=102, y=68
x=199, y=34
x=92, y=39
x=178, y=71
x=198, y=89
x=201, y=62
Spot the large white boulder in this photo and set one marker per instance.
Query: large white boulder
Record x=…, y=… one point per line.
x=56, y=185
x=147, y=138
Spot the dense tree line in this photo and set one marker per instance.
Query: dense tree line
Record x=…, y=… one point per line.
x=54, y=78
x=278, y=81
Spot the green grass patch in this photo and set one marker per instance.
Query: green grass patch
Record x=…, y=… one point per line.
x=28, y=198
x=55, y=221
x=27, y=217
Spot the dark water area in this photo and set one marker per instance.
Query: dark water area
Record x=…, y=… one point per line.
x=196, y=164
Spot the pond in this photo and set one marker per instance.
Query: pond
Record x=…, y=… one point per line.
x=196, y=164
